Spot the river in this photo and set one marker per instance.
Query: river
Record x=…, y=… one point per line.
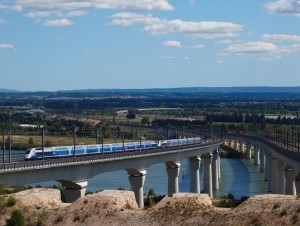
x=239, y=177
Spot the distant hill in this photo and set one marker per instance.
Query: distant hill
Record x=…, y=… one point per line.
x=258, y=89
x=250, y=89
x=8, y=91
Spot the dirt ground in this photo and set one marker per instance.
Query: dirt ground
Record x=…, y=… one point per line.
x=43, y=206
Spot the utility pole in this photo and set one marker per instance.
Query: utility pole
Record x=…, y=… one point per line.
x=74, y=142
x=9, y=152
x=43, y=144
x=3, y=147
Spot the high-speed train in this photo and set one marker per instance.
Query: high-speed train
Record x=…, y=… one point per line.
x=94, y=149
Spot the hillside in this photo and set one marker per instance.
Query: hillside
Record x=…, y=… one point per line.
x=44, y=207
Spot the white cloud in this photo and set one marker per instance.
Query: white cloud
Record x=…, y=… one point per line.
x=172, y=43
x=75, y=13
x=186, y=57
x=157, y=26
x=8, y=46
x=219, y=62
x=198, y=46
x=251, y=48
x=3, y=21
x=284, y=7
x=127, y=18
x=266, y=51
x=58, y=23
x=71, y=8
x=194, y=29
x=38, y=14
x=226, y=41
x=281, y=38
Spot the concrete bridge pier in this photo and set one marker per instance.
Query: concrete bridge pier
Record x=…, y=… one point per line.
x=236, y=145
x=137, y=180
x=195, y=174
x=219, y=165
x=173, y=172
x=248, y=151
x=241, y=147
x=297, y=183
x=262, y=159
x=207, y=160
x=281, y=177
x=290, y=183
x=73, y=190
x=215, y=170
x=274, y=188
x=256, y=156
x=226, y=142
x=269, y=171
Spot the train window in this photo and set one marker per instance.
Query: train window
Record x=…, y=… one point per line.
x=27, y=152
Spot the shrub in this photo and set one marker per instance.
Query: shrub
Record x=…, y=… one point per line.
x=42, y=218
x=11, y=201
x=1, y=189
x=76, y=218
x=255, y=221
x=276, y=205
x=16, y=219
x=170, y=194
x=226, y=203
x=294, y=219
x=283, y=213
x=58, y=219
x=244, y=198
x=230, y=196
x=88, y=193
x=128, y=206
x=121, y=189
x=151, y=192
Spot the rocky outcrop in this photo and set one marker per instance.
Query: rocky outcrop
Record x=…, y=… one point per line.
x=119, y=208
x=39, y=197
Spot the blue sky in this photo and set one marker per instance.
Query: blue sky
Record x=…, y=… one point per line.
x=67, y=44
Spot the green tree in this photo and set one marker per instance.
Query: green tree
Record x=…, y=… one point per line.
x=151, y=192
x=30, y=142
x=16, y=219
x=145, y=121
x=131, y=114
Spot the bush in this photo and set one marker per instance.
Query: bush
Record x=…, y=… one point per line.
x=16, y=219
x=11, y=201
x=170, y=194
x=244, y=198
x=230, y=196
x=121, y=189
x=276, y=205
x=283, y=213
x=151, y=192
x=226, y=203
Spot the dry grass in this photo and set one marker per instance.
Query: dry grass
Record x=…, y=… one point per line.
x=58, y=140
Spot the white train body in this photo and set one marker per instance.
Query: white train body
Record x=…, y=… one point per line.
x=94, y=149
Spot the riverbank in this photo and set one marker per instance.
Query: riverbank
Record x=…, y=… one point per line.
x=44, y=207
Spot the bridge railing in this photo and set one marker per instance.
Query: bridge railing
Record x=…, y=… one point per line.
x=100, y=157
x=288, y=140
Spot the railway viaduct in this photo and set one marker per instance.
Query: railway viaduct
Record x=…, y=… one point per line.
x=74, y=173
x=281, y=165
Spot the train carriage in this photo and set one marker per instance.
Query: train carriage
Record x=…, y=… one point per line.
x=93, y=149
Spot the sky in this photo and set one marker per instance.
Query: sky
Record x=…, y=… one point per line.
x=102, y=44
